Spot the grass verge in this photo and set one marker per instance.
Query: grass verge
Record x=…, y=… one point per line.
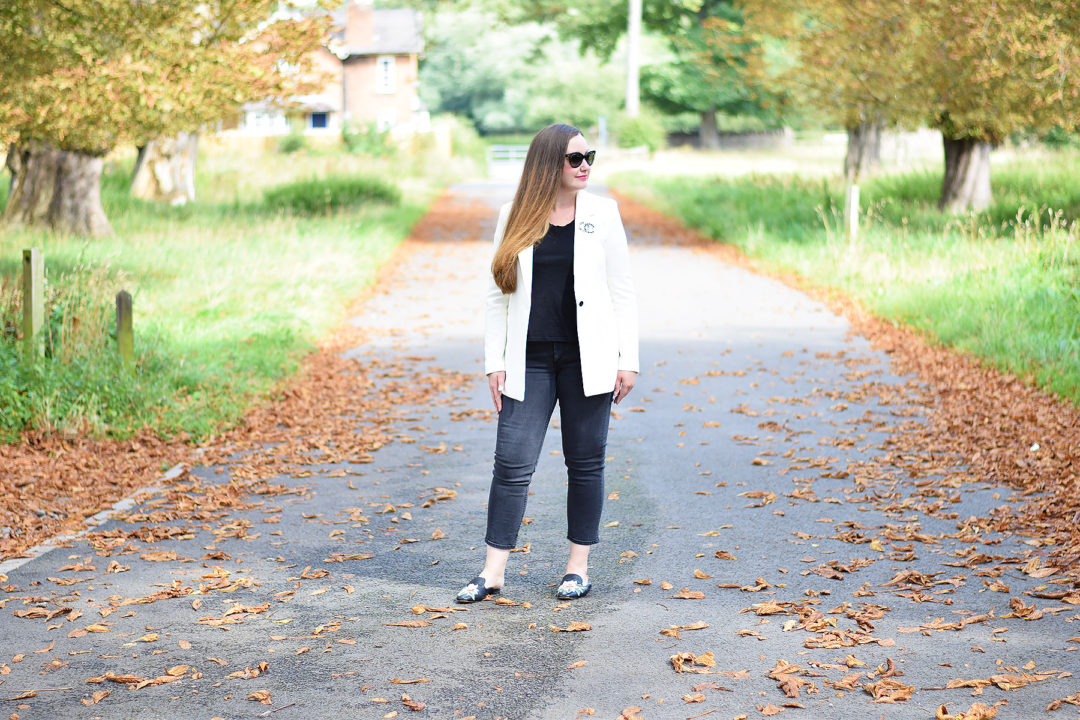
x=230, y=292
x=1003, y=285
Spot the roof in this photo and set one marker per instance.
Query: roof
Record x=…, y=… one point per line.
x=397, y=32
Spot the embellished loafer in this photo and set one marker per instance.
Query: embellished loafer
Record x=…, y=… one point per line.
x=572, y=586
x=475, y=591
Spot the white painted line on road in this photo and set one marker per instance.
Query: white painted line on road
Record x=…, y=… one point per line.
x=91, y=522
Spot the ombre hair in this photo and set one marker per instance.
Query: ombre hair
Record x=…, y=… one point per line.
x=533, y=201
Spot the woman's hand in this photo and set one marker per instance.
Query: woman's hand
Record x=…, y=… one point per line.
x=624, y=383
x=496, y=380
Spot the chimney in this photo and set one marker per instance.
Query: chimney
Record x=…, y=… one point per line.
x=359, y=24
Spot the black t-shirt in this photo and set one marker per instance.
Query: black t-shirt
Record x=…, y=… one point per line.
x=553, y=316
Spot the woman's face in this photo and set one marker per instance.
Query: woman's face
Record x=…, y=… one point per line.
x=574, y=179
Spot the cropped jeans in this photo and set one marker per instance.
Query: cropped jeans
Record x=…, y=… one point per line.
x=552, y=372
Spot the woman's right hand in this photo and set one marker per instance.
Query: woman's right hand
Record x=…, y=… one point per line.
x=496, y=381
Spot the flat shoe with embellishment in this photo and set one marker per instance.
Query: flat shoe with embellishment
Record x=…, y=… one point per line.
x=572, y=586
x=475, y=591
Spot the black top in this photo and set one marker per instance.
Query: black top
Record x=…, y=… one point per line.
x=553, y=316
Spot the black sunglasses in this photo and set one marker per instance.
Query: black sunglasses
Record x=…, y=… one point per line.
x=575, y=158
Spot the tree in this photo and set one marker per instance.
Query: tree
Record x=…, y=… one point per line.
x=991, y=68
x=716, y=67
x=709, y=57
x=978, y=70
x=83, y=76
x=519, y=78
x=852, y=62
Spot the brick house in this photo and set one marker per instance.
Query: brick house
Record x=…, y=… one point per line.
x=372, y=60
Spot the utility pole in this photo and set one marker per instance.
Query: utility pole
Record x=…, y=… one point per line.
x=633, y=58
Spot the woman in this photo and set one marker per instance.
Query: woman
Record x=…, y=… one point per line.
x=561, y=324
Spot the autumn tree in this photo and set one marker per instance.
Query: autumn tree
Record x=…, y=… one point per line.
x=978, y=70
x=84, y=76
x=849, y=61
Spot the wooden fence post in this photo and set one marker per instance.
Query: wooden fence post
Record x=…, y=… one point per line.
x=125, y=333
x=851, y=214
x=33, y=288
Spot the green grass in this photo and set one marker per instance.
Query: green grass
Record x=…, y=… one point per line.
x=1003, y=285
x=230, y=292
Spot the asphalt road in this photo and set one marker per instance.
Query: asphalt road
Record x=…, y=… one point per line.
x=741, y=470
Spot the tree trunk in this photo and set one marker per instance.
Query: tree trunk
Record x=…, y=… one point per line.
x=967, y=176
x=58, y=189
x=165, y=169
x=710, y=138
x=863, y=150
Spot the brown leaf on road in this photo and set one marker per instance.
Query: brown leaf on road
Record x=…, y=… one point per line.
x=700, y=575
x=95, y=698
x=163, y=556
x=410, y=623
x=510, y=603
x=1073, y=699
x=787, y=677
x=1020, y=610
x=262, y=696
x=414, y=705
x=769, y=710
x=750, y=633
x=574, y=626
x=630, y=713
x=673, y=631
x=848, y=682
x=399, y=681
x=978, y=711
x=688, y=594
x=694, y=698
x=724, y=555
x=889, y=690
x=579, y=663
x=685, y=662
x=1005, y=681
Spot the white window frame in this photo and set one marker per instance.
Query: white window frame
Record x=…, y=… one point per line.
x=385, y=71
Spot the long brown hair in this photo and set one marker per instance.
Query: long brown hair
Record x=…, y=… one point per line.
x=533, y=201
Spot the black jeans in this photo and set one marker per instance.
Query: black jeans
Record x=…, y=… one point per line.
x=552, y=372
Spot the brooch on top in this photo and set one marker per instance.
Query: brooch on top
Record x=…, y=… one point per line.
x=586, y=227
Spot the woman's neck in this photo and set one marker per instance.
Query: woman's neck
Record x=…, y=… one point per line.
x=565, y=207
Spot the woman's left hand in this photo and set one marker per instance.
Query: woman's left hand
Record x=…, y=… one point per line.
x=624, y=383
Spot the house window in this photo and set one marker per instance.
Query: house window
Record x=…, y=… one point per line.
x=319, y=120
x=384, y=74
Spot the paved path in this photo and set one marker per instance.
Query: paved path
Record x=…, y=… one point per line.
x=739, y=470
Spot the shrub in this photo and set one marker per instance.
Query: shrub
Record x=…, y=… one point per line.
x=643, y=130
x=294, y=141
x=367, y=140
x=323, y=195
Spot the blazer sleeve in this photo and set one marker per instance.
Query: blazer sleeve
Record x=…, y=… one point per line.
x=623, y=296
x=496, y=305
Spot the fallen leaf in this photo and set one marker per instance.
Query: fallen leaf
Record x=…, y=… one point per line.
x=95, y=698
x=574, y=626
x=262, y=696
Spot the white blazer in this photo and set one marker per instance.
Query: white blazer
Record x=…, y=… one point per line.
x=604, y=291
